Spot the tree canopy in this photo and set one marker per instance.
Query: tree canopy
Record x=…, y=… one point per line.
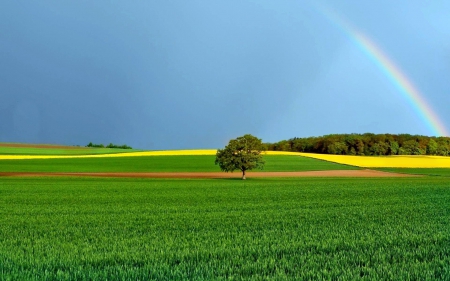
x=367, y=144
x=242, y=153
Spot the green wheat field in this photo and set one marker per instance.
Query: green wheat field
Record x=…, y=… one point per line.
x=81, y=228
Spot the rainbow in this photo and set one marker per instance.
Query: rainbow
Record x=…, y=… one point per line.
x=391, y=70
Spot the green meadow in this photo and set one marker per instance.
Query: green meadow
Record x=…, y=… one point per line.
x=60, y=151
x=259, y=229
x=82, y=228
x=440, y=172
x=190, y=163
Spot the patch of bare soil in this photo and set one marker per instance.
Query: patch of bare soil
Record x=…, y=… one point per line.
x=40, y=146
x=212, y=175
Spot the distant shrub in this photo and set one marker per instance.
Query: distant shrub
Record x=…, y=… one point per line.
x=111, y=145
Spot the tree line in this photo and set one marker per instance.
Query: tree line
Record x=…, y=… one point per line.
x=366, y=144
x=109, y=146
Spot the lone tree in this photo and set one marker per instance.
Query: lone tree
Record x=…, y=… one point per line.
x=243, y=153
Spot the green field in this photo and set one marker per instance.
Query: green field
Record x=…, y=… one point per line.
x=77, y=228
x=60, y=151
x=200, y=163
x=442, y=172
x=144, y=229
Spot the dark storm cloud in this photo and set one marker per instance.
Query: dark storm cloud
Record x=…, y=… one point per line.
x=175, y=74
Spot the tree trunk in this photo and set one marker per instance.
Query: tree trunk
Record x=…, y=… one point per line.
x=243, y=174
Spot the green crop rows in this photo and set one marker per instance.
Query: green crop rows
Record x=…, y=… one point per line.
x=59, y=151
x=204, y=163
x=141, y=229
x=443, y=172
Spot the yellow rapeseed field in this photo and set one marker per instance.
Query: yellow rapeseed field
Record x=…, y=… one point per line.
x=126, y=154
x=398, y=161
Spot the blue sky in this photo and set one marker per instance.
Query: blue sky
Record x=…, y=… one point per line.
x=194, y=74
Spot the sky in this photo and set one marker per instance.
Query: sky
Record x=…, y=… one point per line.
x=194, y=74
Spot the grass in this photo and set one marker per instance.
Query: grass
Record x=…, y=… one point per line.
x=442, y=172
x=186, y=163
x=59, y=151
x=259, y=229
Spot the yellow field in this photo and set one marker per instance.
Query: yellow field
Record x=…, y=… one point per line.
x=126, y=154
x=134, y=154
x=397, y=161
